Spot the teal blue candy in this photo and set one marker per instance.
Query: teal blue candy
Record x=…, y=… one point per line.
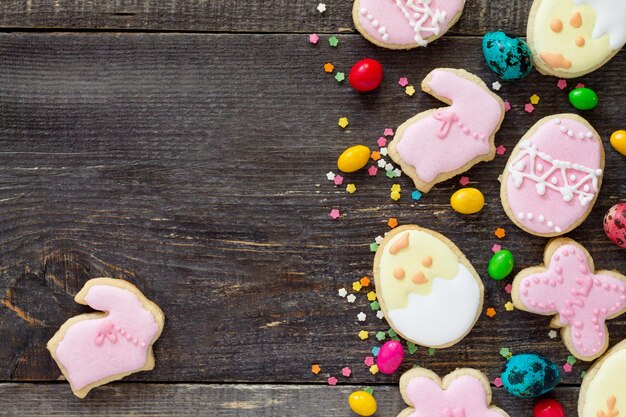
x=501, y=265
x=583, y=98
x=507, y=56
x=528, y=375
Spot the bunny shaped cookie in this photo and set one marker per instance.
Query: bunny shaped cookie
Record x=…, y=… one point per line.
x=438, y=144
x=96, y=348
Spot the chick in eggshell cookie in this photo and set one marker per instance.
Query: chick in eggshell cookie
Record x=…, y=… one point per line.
x=570, y=38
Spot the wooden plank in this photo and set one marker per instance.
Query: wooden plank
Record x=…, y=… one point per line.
x=197, y=171
x=233, y=16
x=222, y=400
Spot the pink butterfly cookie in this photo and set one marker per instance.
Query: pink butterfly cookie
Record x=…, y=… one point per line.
x=405, y=24
x=438, y=144
x=96, y=348
x=580, y=299
x=462, y=393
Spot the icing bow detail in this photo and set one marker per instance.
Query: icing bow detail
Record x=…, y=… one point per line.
x=447, y=118
x=106, y=330
x=457, y=412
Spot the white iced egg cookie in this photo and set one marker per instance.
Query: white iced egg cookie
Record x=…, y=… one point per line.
x=429, y=292
x=570, y=38
x=405, y=24
x=603, y=392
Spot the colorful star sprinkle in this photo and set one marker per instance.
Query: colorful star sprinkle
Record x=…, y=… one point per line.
x=332, y=381
x=380, y=336
x=379, y=314
x=580, y=85
x=342, y=292
x=373, y=247
x=343, y=122
x=371, y=296
x=374, y=369
x=334, y=214
x=340, y=76
x=409, y=90
x=562, y=84
x=382, y=141
x=375, y=155
x=395, y=195
x=365, y=281
x=388, y=132
x=356, y=286
x=464, y=181
x=497, y=382
x=529, y=108
x=351, y=298
x=552, y=334
x=509, y=306
x=350, y=188
x=369, y=361
x=567, y=368
x=361, y=316
x=330, y=176
x=392, y=222
x=491, y=312
x=346, y=372
x=372, y=171
x=496, y=248
x=534, y=99
x=333, y=41
x=508, y=288
x=506, y=353
x=321, y=7
x=496, y=85
x=338, y=180
x=363, y=335
x=416, y=195
x=328, y=67
x=507, y=105
x=571, y=360
x=316, y=369
x=501, y=150
x=500, y=233
x=313, y=38
x=403, y=81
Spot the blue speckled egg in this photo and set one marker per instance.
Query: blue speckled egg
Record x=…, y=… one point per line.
x=528, y=375
x=508, y=57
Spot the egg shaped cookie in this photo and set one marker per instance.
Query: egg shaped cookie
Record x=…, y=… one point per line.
x=405, y=24
x=571, y=38
x=429, y=292
x=553, y=176
x=603, y=392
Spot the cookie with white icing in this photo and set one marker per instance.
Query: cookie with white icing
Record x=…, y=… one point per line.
x=581, y=299
x=428, y=291
x=571, y=38
x=438, y=144
x=405, y=24
x=94, y=349
x=465, y=392
x=553, y=176
x=603, y=392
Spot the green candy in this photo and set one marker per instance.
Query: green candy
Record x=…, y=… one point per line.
x=583, y=98
x=501, y=265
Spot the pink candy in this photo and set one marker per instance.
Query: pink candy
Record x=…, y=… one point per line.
x=390, y=357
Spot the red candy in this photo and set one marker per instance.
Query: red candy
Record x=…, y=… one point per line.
x=366, y=75
x=548, y=408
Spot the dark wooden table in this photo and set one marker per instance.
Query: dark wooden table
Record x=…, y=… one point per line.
x=184, y=145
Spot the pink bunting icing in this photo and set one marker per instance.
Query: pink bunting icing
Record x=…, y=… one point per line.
x=407, y=22
x=94, y=349
x=464, y=397
x=583, y=300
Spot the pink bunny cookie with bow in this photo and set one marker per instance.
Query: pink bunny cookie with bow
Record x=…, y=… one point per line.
x=580, y=299
x=405, y=24
x=96, y=348
x=438, y=144
x=462, y=393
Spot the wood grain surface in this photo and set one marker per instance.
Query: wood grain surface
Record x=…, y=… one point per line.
x=194, y=165
x=284, y=16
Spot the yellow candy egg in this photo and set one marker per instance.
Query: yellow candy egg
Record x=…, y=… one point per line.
x=467, y=201
x=362, y=403
x=354, y=158
x=618, y=140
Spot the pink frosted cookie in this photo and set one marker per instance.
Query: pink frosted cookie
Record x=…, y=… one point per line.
x=580, y=299
x=405, y=24
x=463, y=393
x=94, y=349
x=553, y=176
x=438, y=144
